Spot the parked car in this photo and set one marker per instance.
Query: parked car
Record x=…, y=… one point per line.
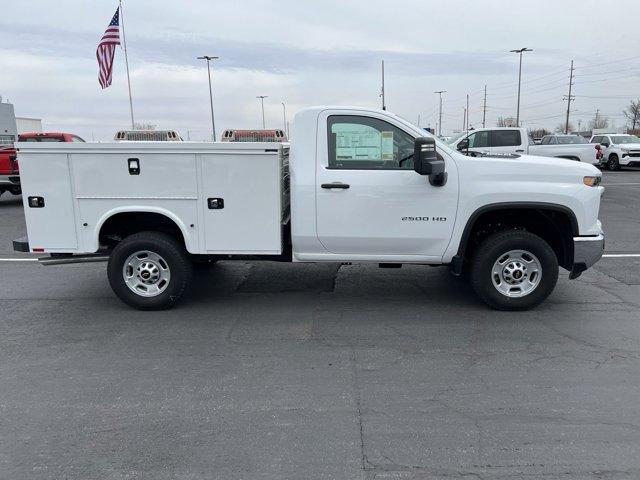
x=516, y=141
x=49, y=137
x=9, y=171
x=356, y=185
x=619, y=150
x=9, y=177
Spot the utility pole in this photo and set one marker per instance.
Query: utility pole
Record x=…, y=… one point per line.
x=262, y=97
x=418, y=120
x=384, y=107
x=440, y=92
x=595, y=124
x=520, y=51
x=208, y=58
x=484, y=107
x=569, y=98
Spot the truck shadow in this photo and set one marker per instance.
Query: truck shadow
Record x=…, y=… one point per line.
x=412, y=284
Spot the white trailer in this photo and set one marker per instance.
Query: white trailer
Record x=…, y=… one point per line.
x=358, y=186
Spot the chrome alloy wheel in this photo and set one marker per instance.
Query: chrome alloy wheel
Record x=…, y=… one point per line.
x=146, y=273
x=516, y=273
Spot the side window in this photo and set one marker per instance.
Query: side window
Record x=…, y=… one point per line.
x=597, y=139
x=553, y=140
x=357, y=142
x=479, y=140
x=545, y=141
x=606, y=140
x=75, y=138
x=505, y=138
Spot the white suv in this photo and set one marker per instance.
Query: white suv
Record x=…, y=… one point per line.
x=619, y=150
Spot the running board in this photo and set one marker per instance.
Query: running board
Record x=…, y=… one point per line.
x=65, y=260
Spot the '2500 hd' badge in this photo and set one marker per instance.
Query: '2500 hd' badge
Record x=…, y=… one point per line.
x=424, y=219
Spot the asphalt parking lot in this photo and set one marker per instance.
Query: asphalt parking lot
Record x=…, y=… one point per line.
x=322, y=372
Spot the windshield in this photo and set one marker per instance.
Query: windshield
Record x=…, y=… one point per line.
x=571, y=139
x=617, y=139
x=456, y=137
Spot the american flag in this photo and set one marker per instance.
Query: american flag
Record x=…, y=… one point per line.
x=107, y=49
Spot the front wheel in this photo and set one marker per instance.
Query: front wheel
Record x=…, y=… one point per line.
x=514, y=270
x=149, y=270
x=613, y=163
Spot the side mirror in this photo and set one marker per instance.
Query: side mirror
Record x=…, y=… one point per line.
x=426, y=161
x=463, y=144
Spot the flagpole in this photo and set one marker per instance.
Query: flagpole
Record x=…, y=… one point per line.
x=126, y=61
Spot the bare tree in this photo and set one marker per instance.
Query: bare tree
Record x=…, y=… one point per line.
x=632, y=112
x=506, y=122
x=539, y=132
x=599, y=122
x=560, y=128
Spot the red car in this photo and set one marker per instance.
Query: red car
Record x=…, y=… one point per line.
x=9, y=177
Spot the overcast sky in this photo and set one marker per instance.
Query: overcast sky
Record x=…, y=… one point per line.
x=316, y=52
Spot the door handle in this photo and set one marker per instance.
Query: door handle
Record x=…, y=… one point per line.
x=342, y=186
x=519, y=151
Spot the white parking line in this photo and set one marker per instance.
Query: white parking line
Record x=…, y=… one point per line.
x=18, y=259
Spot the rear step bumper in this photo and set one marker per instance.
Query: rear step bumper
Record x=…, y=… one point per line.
x=21, y=245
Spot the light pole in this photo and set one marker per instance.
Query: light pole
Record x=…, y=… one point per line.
x=262, y=97
x=284, y=118
x=208, y=58
x=440, y=92
x=520, y=51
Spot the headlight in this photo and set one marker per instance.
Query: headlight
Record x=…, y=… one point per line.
x=625, y=150
x=592, y=181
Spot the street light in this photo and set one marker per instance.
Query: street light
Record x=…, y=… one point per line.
x=208, y=58
x=262, y=97
x=520, y=51
x=440, y=92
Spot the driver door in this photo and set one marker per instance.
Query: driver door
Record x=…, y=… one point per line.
x=369, y=200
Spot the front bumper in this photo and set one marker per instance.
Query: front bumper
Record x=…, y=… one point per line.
x=586, y=252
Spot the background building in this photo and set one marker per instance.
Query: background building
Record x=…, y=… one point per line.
x=8, y=128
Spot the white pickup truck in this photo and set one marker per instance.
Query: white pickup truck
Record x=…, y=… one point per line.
x=356, y=185
x=620, y=150
x=517, y=141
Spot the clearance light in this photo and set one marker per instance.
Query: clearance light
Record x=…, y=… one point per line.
x=591, y=181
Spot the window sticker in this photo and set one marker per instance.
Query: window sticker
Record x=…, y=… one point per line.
x=386, y=145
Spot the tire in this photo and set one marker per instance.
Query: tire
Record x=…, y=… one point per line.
x=613, y=163
x=507, y=289
x=149, y=271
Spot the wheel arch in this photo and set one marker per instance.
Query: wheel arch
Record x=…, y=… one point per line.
x=127, y=220
x=560, y=233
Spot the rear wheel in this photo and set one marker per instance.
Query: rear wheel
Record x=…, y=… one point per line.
x=514, y=270
x=613, y=163
x=149, y=270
